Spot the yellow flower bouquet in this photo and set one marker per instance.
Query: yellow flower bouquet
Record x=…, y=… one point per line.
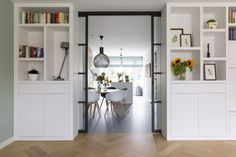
x=179, y=67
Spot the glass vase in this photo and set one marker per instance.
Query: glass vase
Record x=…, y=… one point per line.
x=182, y=76
x=99, y=87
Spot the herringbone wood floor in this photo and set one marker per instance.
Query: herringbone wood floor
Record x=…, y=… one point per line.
x=121, y=145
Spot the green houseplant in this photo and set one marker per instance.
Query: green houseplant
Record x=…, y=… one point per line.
x=179, y=67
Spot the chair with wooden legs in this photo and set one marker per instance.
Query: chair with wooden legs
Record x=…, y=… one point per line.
x=93, y=98
x=116, y=101
x=103, y=95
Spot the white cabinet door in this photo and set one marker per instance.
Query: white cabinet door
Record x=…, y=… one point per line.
x=184, y=115
x=212, y=115
x=30, y=114
x=56, y=111
x=231, y=90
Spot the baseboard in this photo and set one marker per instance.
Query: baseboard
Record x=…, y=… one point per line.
x=7, y=142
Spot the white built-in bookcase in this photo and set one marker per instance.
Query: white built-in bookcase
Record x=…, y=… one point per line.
x=197, y=108
x=43, y=108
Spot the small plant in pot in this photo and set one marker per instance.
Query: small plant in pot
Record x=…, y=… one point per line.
x=33, y=75
x=212, y=24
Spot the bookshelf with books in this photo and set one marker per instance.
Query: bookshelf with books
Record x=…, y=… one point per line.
x=41, y=101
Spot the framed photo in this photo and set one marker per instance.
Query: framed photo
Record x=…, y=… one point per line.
x=210, y=71
x=185, y=40
x=175, y=36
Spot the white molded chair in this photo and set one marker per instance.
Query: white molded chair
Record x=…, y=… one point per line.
x=116, y=100
x=93, y=98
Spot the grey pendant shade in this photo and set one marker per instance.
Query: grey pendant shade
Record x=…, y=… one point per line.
x=101, y=60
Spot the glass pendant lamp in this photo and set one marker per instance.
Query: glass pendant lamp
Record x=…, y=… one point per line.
x=101, y=60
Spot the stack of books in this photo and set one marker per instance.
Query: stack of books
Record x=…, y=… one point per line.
x=44, y=18
x=232, y=16
x=31, y=52
x=232, y=33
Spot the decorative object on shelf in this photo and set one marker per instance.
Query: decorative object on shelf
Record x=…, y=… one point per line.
x=64, y=45
x=208, y=51
x=185, y=40
x=33, y=75
x=120, y=76
x=209, y=71
x=103, y=80
x=126, y=78
x=212, y=24
x=175, y=36
x=101, y=60
x=179, y=67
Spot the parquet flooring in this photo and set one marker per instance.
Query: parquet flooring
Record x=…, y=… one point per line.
x=121, y=145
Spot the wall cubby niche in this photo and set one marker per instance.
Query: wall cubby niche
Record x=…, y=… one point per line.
x=187, y=18
x=217, y=13
x=55, y=54
x=217, y=46
x=185, y=55
x=220, y=69
x=43, y=15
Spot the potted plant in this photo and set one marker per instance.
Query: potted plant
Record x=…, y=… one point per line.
x=179, y=67
x=212, y=24
x=126, y=78
x=33, y=75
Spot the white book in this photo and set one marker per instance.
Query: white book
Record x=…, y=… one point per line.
x=23, y=18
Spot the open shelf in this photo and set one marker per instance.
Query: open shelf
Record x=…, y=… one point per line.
x=185, y=55
x=55, y=54
x=185, y=48
x=220, y=69
x=214, y=59
x=217, y=13
x=214, y=30
x=191, y=24
x=24, y=67
x=31, y=59
x=217, y=43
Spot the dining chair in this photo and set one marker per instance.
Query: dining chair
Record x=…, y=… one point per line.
x=103, y=95
x=125, y=96
x=116, y=101
x=93, y=98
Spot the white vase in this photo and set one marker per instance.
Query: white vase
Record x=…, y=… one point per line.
x=33, y=77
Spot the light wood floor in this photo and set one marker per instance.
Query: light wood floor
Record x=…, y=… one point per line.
x=121, y=145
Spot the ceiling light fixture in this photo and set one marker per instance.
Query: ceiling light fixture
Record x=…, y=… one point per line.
x=101, y=60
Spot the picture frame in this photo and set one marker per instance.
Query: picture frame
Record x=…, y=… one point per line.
x=175, y=36
x=209, y=71
x=185, y=40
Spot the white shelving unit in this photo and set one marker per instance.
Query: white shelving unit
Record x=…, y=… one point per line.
x=198, y=109
x=43, y=108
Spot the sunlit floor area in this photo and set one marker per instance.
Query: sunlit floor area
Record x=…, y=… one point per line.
x=121, y=145
x=138, y=120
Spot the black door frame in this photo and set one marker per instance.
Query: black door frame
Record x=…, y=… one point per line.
x=152, y=14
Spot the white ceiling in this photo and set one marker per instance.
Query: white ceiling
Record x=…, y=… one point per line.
x=132, y=33
x=131, y=5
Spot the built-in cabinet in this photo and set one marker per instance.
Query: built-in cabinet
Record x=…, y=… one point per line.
x=43, y=107
x=197, y=108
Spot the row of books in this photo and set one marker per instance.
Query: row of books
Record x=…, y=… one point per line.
x=232, y=34
x=31, y=52
x=43, y=18
x=232, y=16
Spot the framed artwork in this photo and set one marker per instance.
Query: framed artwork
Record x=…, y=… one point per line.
x=185, y=40
x=175, y=36
x=210, y=71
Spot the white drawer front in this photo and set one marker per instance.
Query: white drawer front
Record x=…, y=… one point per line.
x=43, y=88
x=198, y=88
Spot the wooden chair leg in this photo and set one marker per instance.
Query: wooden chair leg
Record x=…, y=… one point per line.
x=101, y=103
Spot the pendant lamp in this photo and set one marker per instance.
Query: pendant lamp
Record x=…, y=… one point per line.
x=101, y=60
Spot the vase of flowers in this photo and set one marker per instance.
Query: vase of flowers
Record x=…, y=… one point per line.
x=179, y=67
x=103, y=80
